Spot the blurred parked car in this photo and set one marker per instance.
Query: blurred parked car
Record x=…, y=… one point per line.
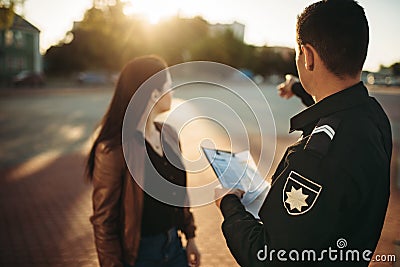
x=382, y=79
x=28, y=78
x=92, y=78
x=114, y=77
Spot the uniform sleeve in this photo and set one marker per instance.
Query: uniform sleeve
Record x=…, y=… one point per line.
x=107, y=184
x=307, y=204
x=299, y=91
x=300, y=213
x=244, y=234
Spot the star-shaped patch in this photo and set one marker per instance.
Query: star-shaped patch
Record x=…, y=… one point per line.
x=296, y=199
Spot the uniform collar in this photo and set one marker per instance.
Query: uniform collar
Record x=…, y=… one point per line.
x=345, y=99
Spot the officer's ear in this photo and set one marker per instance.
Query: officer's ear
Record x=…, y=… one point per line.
x=309, y=56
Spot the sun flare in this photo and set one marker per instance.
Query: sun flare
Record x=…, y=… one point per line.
x=153, y=10
x=153, y=18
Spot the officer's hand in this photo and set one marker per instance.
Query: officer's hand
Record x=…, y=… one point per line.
x=285, y=88
x=220, y=192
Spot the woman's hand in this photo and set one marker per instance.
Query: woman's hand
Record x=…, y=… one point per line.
x=193, y=254
x=220, y=191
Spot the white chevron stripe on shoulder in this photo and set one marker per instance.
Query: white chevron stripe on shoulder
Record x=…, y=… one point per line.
x=326, y=126
x=325, y=129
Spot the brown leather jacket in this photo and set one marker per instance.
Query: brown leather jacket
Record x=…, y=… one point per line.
x=118, y=201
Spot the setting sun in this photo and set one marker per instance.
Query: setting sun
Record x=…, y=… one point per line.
x=154, y=10
x=154, y=18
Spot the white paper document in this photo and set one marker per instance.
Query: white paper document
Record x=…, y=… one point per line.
x=238, y=170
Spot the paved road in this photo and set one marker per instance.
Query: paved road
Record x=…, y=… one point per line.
x=61, y=121
x=44, y=204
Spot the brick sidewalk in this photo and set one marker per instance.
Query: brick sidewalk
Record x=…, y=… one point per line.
x=44, y=219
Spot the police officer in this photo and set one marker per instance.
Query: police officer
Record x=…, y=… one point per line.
x=329, y=193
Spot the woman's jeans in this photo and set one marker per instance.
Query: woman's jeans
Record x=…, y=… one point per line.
x=161, y=250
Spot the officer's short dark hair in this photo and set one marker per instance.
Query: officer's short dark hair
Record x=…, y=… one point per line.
x=339, y=32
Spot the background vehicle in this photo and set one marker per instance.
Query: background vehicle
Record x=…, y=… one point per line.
x=92, y=78
x=28, y=78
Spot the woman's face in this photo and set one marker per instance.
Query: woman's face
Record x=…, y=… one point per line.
x=164, y=103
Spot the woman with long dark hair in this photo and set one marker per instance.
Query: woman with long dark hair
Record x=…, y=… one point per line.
x=132, y=228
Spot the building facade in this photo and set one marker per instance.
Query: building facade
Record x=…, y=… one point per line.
x=19, y=49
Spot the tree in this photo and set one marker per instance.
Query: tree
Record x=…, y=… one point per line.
x=99, y=42
x=224, y=48
x=396, y=69
x=106, y=39
x=7, y=12
x=272, y=60
x=175, y=38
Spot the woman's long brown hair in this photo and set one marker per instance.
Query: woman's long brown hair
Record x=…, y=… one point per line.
x=133, y=75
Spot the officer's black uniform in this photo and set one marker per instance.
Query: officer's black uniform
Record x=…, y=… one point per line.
x=330, y=190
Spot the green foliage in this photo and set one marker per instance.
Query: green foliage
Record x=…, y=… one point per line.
x=100, y=41
x=11, y=3
x=106, y=39
x=273, y=61
x=7, y=12
x=224, y=48
x=6, y=17
x=396, y=69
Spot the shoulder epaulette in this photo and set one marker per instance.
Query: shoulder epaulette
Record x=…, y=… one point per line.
x=322, y=136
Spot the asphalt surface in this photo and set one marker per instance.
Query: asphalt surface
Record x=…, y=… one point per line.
x=45, y=204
